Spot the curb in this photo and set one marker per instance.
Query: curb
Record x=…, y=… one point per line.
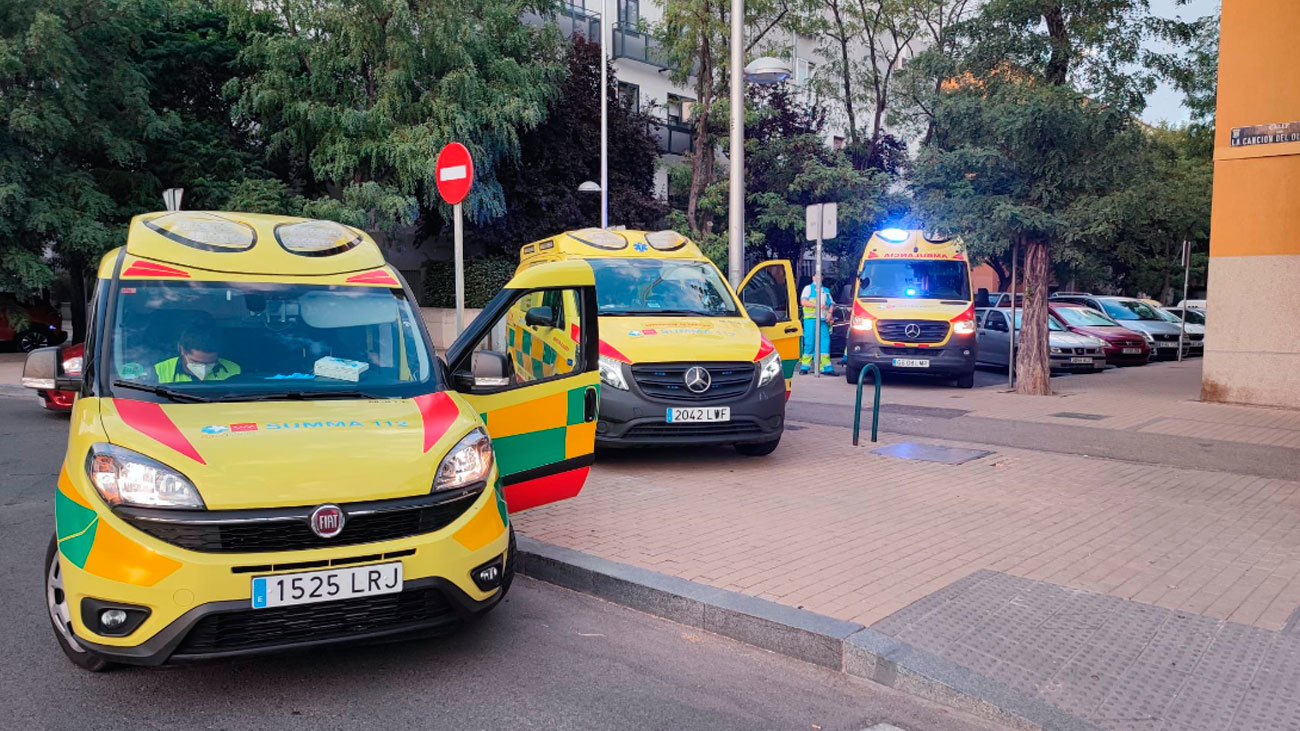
x=847, y=647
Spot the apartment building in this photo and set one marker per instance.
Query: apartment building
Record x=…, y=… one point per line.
x=643, y=69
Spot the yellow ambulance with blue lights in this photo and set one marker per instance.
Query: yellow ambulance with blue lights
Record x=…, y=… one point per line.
x=683, y=359
x=266, y=453
x=913, y=308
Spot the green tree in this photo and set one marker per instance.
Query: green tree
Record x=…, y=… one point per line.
x=75, y=119
x=364, y=93
x=1034, y=134
x=541, y=188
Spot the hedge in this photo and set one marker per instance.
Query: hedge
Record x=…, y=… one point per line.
x=484, y=278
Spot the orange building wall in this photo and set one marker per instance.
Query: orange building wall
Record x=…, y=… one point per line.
x=1252, y=339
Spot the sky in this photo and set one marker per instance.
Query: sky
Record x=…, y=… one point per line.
x=1166, y=103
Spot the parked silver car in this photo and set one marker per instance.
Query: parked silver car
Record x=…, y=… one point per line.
x=1069, y=351
x=1194, y=335
x=1135, y=314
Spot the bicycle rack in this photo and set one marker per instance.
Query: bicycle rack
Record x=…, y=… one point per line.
x=875, y=404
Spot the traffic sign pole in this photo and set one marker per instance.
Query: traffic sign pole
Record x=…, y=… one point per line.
x=455, y=176
x=821, y=222
x=460, y=268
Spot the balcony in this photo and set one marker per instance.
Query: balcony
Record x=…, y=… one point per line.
x=632, y=44
x=674, y=137
x=571, y=20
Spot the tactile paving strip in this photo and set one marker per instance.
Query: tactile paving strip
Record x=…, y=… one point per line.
x=1117, y=663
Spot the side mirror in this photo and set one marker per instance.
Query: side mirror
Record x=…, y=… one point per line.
x=540, y=317
x=43, y=370
x=488, y=369
x=762, y=315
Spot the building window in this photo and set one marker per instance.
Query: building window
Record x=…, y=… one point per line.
x=837, y=142
x=629, y=95
x=629, y=12
x=679, y=109
x=803, y=70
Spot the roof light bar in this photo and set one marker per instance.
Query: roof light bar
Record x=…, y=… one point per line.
x=894, y=235
x=600, y=238
x=204, y=231
x=316, y=238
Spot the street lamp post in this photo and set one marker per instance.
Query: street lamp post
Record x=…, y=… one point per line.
x=606, y=28
x=588, y=186
x=765, y=70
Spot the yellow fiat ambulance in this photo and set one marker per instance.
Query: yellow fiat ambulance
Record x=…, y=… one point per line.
x=913, y=310
x=683, y=360
x=267, y=453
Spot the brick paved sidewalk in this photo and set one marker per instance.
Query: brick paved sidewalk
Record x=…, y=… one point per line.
x=1177, y=560
x=1159, y=398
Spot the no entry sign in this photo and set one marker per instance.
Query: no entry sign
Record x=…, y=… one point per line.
x=455, y=171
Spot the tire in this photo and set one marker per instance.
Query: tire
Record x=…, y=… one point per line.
x=60, y=614
x=851, y=376
x=966, y=380
x=758, y=449
x=29, y=340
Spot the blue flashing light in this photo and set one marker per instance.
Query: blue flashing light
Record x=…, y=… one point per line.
x=893, y=235
x=910, y=291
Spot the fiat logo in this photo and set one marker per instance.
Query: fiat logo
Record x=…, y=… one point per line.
x=697, y=379
x=327, y=520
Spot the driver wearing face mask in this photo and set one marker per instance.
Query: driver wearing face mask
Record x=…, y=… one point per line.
x=198, y=360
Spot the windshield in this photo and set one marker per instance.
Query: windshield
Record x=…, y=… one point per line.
x=1191, y=316
x=199, y=341
x=1131, y=310
x=915, y=279
x=627, y=286
x=1083, y=317
x=1052, y=325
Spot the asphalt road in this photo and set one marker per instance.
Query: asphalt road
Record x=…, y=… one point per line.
x=547, y=658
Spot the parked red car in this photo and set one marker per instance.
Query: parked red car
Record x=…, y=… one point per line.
x=44, y=326
x=62, y=400
x=1123, y=346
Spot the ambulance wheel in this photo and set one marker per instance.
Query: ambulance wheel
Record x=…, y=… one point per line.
x=759, y=449
x=60, y=612
x=966, y=380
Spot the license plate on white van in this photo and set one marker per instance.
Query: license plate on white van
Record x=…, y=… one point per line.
x=911, y=363
x=683, y=415
x=310, y=587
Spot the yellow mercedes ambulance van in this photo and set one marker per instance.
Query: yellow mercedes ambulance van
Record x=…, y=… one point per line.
x=913, y=308
x=267, y=453
x=683, y=360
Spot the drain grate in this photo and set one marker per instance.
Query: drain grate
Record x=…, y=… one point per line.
x=930, y=452
x=1080, y=415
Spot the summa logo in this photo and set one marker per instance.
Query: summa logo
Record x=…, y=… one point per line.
x=214, y=429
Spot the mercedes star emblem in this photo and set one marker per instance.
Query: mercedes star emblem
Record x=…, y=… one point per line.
x=912, y=331
x=697, y=379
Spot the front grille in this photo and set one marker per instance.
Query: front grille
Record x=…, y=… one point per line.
x=667, y=381
x=249, y=531
x=250, y=629
x=928, y=352
x=932, y=331
x=664, y=429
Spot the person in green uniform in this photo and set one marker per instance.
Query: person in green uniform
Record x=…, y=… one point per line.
x=199, y=359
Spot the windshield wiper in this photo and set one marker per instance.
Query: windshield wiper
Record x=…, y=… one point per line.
x=170, y=393
x=299, y=396
x=643, y=313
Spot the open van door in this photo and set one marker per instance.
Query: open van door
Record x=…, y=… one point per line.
x=771, y=284
x=529, y=365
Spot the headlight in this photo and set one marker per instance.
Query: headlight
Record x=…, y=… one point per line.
x=963, y=327
x=768, y=368
x=468, y=462
x=124, y=477
x=1148, y=337
x=862, y=323
x=1056, y=351
x=611, y=373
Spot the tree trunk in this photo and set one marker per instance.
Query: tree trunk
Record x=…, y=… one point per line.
x=1004, y=277
x=77, y=278
x=846, y=71
x=701, y=160
x=1033, y=361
